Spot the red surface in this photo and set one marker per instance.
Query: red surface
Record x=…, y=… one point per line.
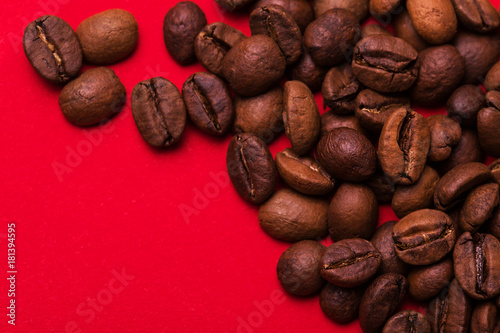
x=91, y=204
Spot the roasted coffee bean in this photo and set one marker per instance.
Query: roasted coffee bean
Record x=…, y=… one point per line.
x=493, y=225
x=465, y=103
x=382, y=186
x=52, y=48
x=476, y=263
x=108, y=37
x=331, y=120
x=445, y=134
x=495, y=170
x=492, y=79
x=434, y=20
x=300, y=116
x=424, y=237
x=380, y=301
x=408, y=321
x=331, y=36
x=300, y=10
x=493, y=99
x=340, y=304
x=234, y=5
x=292, y=217
x=181, y=25
x=212, y=44
x=459, y=181
x=350, y=262
x=403, y=26
x=94, y=96
x=340, y=89
x=384, y=9
x=425, y=282
x=353, y=212
x=488, y=123
x=467, y=150
x=385, y=64
x=299, y=266
x=208, y=103
x=159, y=112
x=358, y=7
x=484, y=318
x=303, y=174
x=450, y=311
x=403, y=146
x=477, y=15
x=254, y=65
x=347, y=155
x=307, y=71
x=384, y=243
x=419, y=195
x=479, y=206
x=374, y=29
x=275, y=22
x=251, y=168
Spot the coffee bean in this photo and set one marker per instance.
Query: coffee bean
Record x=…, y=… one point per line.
x=300, y=10
x=181, y=25
x=477, y=15
x=434, y=20
x=403, y=26
x=445, y=134
x=493, y=99
x=467, y=150
x=94, y=96
x=465, y=103
x=488, y=123
x=493, y=225
x=374, y=29
x=292, y=217
x=479, y=206
x=358, y=7
x=340, y=304
x=208, y=103
x=52, y=48
x=495, y=170
x=234, y=5
x=251, y=168
x=303, y=174
x=384, y=243
x=484, y=318
x=350, y=262
x=353, y=212
x=425, y=282
x=424, y=237
x=408, y=321
x=382, y=9
x=307, y=71
x=492, y=79
x=403, y=146
x=331, y=120
x=385, y=64
x=477, y=268
x=299, y=266
x=382, y=186
x=159, y=111
x=340, y=89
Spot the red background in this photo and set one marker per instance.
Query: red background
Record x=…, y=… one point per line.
x=92, y=203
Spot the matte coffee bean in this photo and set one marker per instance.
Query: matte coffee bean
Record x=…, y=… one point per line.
x=300, y=10
x=493, y=99
x=403, y=26
x=331, y=120
x=292, y=217
x=340, y=304
x=445, y=134
x=181, y=25
x=434, y=20
x=488, y=123
x=374, y=29
x=307, y=71
x=465, y=103
x=52, y=48
x=425, y=282
x=299, y=266
x=484, y=318
x=350, y=262
x=385, y=64
x=303, y=174
x=380, y=301
x=384, y=243
x=253, y=66
x=234, y=5
x=424, y=237
x=340, y=89
x=492, y=79
x=353, y=212
x=208, y=103
x=403, y=146
x=495, y=170
x=358, y=7
x=383, y=9
x=159, y=112
x=382, y=186
x=477, y=15
x=108, y=37
x=467, y=150
x=251, y=168
x=493, y=225
x=479, y=206
x=94, y=96
x=408, y=321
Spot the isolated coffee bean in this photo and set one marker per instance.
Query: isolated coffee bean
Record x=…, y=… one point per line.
x=52, y=48
x=488, y=122
x=477, y=15
x=181, y=25
x=300, y=10
x=374, y=29
x=251, y=168
x=331, y=120
x=340, y=89
x=358, y=7
x=484, y=318
x=445, y=134
x=425, y=282
x=408, y=321
x=434, y=20
x=479, y=206
x=384, y=243
x=299, y=266
x=403, y=26
x=492, y=79
x=94, y=96
x=350, y=262
x=384, y=9
x=467, y=150
x=159, y=111
x=465, y=103
x=340, y=304
x=305, y=70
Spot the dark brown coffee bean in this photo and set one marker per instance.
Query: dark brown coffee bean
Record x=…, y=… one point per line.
x=467, y=150
x=425, y=282
x=488, y=123
x=479, y=206
x=340, y=89
x=434, y=20
x=181, y=25
x=347, y=155
x=303, y=174
x=292, y=217
x=52, y=48
x=212, y=44
x=307, y=71
x=465, y=103
x=108, y=37
x=331, y=120
x=381, y=9
x=408, y=321
x=493, y=225
x=403, y=146
x=234, y=5
x=384, y=243
x=382, y=186
x=445, y=134
x=477, y=15
x=492, y=80
x=275, y=22
x=403, y=26
x=253, y=65
x=380, y=301
x=385, y=64
x=299, y=266
x=340, y=304
x=477, y=268
x=493, y=99
x=208, y=103
x=495, y=170
x=353, y=212
x=358, y=7
x=251, y=168
x=330, y=38
x=300, y=10
x=350, y=262
x=92, y=97
x=159, y=112
x=374, y=29
x=484, y=318
x=300, y=116
x=424, y=237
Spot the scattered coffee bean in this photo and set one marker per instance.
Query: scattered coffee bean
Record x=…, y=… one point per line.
x=477, y=15
x=374, y=29
x=479, y=206
x=307, y=71
x=331, y=120
x=492, y=79
x=495, y=170
x=425, y=282
x=300, y=10
x=484, y=318
x=340, y=89
x=488, y=123
x=403, y=26
x=234, y=5
x=434, y=20
x=340, y=304
x=408, y=321
x=358, y=7
x=467, y=150
x=445, y=134
x=382, y=186
x=383, y=9
x=384, y=243
x=465, y=103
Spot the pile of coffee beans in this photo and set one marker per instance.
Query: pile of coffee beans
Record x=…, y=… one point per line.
x=371, y=148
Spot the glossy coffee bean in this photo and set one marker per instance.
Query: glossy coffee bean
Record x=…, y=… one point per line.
x=467, y=150
x=384, y=243
x=403, y=26
x=492, y=79
x=479, y=206
x=358, y=7
x=465, y=103
x=305, y=70
x=434, y=20
x=331, y=120
x=340, y=89
x=300, y=10
x=488, y=122
x=477, y=15
x=484, y=318
x=340, y=304
x=425, y=282
x=408, y=321
x=445, y=134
